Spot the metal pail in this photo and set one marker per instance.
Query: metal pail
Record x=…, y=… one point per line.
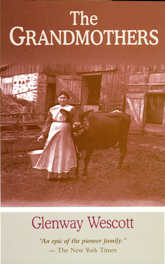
x=34, y=156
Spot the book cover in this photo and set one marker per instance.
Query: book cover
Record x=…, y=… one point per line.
x=109, y=58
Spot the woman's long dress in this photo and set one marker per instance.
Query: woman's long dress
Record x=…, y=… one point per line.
x=59, y=155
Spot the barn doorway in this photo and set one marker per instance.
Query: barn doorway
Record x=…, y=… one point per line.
x=91, y=87
x=155, y=108
x=50, y=96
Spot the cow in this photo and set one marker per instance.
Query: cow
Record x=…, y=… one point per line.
x=98, y=130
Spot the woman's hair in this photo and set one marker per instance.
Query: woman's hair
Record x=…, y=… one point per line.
x=64, y=93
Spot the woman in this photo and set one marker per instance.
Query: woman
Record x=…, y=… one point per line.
x=59, y=155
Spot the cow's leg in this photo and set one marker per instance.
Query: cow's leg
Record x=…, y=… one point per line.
x=86, y=161
x=78, y=158
x=123, y=150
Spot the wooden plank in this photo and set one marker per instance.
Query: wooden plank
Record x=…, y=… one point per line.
x=133, y=111
x=135, y=95
x=146, y=84
x=153, y=128
x=24, y=108
x=27, y=113
x=91, y=107
x=95, y=72
x=69, y=77
x=162, y=91
x=20, y=123
x=135, y=107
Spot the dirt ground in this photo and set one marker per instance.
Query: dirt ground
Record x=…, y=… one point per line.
x=141, y=181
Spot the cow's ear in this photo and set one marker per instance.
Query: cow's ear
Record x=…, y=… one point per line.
x=65, y=112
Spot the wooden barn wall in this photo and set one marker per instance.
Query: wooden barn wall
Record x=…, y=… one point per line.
x=41, y=94
x=18, y=69
x=72, y=69
x=112, y=90
x=115, y=79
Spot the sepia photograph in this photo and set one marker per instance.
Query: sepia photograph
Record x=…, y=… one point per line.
x=82, y=104
x=82, y=87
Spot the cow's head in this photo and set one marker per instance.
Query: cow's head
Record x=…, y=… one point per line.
x=78, y=119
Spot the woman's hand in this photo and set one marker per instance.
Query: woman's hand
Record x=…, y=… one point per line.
x=40, y=139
